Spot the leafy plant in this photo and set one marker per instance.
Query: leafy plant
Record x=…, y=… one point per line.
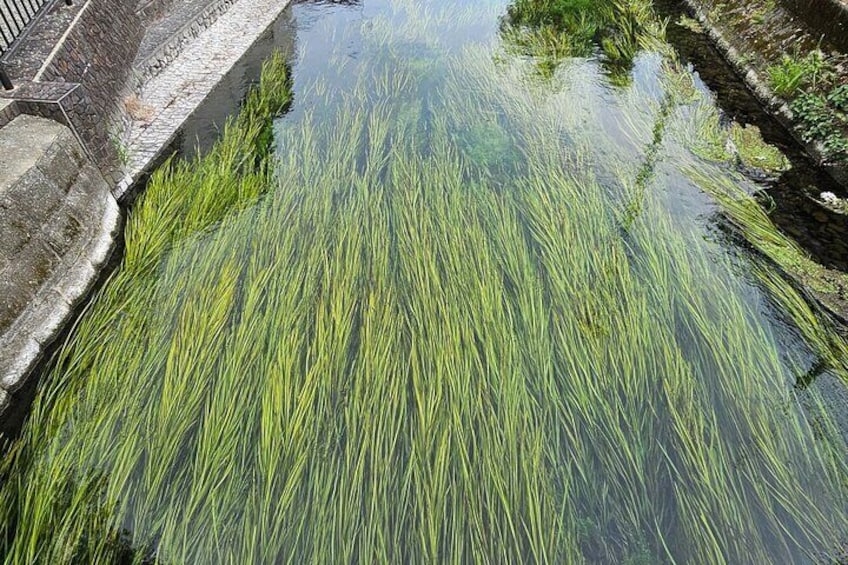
x=821, y=122
x=838, y=98
x=796, y=72
x=122, y=151
x=754, y=152
x=758, y=15
x=691, y=24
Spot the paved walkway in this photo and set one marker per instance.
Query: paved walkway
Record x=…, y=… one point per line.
x=171, y=97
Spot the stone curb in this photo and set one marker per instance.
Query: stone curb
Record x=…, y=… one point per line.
x=26, y=340
x=179, y=90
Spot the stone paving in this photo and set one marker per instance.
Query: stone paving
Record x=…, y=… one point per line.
x=171, y=24
x=172, y=33
x=171, y=97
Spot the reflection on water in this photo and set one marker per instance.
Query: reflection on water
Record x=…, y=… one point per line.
x=481, y=313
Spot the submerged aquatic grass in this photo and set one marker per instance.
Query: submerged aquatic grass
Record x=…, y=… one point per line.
x=553, y=30
x=734, y=143
x=385, y=344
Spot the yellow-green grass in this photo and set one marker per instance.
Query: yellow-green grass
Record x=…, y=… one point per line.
x=387, y=345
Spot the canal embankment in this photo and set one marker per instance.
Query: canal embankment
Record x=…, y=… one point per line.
x=793, y=55
x=102, y=92
x=792, y=58
x=52, y=248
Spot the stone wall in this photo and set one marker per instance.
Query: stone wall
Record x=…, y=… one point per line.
x=98, y=54
x=59, y=223
x=151, y=10
x=752, y=45
x=829, y=16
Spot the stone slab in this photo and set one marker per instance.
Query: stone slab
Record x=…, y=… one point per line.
x=58, y=226
x=22, y=143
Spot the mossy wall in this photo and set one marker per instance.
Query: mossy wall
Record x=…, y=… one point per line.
x=829, y=16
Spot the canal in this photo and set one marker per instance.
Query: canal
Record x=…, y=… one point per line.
x=451, y=288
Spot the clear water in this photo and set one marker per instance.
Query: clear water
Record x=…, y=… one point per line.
x=484, y=314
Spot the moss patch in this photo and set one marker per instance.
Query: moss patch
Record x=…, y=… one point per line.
x=755, y=153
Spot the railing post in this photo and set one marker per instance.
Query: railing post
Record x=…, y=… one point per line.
x=4, y=79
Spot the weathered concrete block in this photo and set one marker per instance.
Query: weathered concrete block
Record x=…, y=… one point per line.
x=20, y=281
x=22, y=142
x=16, y=234
x=59, y=164
x=8, y=111
x=63, y=233
x=40, y=194
x=58, y=225
x=79, y=277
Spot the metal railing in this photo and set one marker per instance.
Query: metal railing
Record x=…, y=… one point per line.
x=15, y=15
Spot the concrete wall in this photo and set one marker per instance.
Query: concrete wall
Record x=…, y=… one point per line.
x=59, y=223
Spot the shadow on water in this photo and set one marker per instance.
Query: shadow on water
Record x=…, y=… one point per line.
x=819, y=231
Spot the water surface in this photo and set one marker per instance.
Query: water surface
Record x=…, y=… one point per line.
x=483, y=309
